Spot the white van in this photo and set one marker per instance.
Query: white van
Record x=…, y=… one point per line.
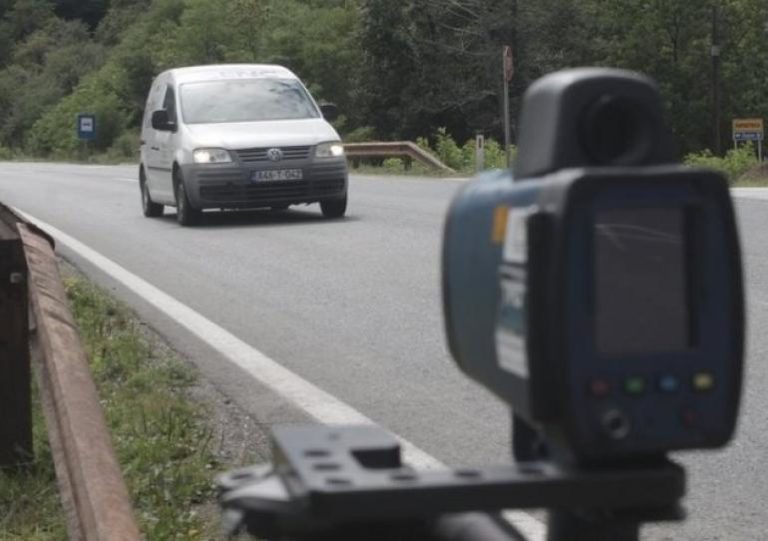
x=238, y=136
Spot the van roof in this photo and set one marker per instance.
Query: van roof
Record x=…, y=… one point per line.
x=217, y=72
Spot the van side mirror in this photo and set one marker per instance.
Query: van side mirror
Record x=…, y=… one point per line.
x=330, y=112
x=162, y=122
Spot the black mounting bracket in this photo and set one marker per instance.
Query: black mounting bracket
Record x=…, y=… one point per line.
x=324, y=478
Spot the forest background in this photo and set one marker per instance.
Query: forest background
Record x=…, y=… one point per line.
x=427, y=70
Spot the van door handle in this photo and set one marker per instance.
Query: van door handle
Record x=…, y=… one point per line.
x=155, y=148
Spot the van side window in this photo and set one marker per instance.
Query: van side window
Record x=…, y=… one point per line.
x=169, y=103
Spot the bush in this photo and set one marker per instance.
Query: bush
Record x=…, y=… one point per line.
x=115, y=92
x=736, y=162
x=459, y=158
x=394, y=165
x=125, y=147
x=6, y=154
x=363, y=134
x=494, y=158
x=448, y=151
x=55, y=133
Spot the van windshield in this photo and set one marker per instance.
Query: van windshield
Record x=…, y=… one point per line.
x=245, y=101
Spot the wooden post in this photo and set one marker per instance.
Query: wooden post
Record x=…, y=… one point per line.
x=15, y=399
x=509, y=71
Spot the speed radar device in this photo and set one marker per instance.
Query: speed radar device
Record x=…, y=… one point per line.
x=600, y=293
x=597, y=290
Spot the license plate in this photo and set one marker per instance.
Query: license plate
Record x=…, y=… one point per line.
x=277, y=174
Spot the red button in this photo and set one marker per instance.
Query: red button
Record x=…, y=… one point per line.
x=689, y=417
x=599, y=387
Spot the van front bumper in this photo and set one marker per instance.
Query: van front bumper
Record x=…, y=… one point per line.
x=230, y=185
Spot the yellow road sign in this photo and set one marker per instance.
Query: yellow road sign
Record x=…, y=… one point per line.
x=748, y=125
x=748, y=129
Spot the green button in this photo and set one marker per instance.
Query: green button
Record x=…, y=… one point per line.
x=634, y=385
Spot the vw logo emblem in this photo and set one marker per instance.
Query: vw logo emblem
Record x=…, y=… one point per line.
x=275, y=154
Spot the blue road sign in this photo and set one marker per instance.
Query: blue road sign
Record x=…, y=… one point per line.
x=748, y=136
x=748, y=129
x=86, y=127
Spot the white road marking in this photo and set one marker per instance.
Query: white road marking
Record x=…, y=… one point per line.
x=750, y=193
x=123, y=179
x=317, y=403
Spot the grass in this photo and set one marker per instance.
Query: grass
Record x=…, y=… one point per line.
x=751, y=183
x=111, y=156
x=161, y=436
x=29, y=501
x=414, y=171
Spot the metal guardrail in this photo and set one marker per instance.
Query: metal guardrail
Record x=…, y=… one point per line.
x=395, y=149
x=92, y=489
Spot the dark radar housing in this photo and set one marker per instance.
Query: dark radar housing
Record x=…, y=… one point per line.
x=600, y=294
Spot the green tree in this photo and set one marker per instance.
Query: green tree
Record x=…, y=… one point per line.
x=47, y=65
x=26, y=16
x=319, y=42
x=88, y=11
x=744, y=57
x=251, y=19
x=5, y=6
x=121, y=16
x=402, y=68
x=389, y=63
x=7, y=42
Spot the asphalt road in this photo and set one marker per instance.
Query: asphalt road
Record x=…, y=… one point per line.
x=353, y=306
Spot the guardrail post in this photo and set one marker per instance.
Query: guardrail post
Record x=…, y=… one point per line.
x=15, y=399
x=479, y=153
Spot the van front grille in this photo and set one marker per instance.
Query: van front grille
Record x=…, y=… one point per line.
x=255, y=155
x=261, y=192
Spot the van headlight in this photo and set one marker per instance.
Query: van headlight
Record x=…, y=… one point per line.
x=211, y=155
x=329, y=150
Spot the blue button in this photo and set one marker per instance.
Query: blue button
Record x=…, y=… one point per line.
x=669, y=384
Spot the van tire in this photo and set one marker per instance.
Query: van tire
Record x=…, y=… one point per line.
x=186, y=214
x=334, y=208
x=148, y=207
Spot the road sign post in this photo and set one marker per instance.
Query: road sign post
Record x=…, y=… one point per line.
x=480, y=152
x=509, y=71
x=749, y=129
x=86, y=127
x=86, y=130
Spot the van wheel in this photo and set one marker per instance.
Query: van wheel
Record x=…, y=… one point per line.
x=150, y=209
x=186, y=214
x=334, y=208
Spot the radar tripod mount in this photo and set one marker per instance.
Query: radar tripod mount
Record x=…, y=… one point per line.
x=350, y=483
